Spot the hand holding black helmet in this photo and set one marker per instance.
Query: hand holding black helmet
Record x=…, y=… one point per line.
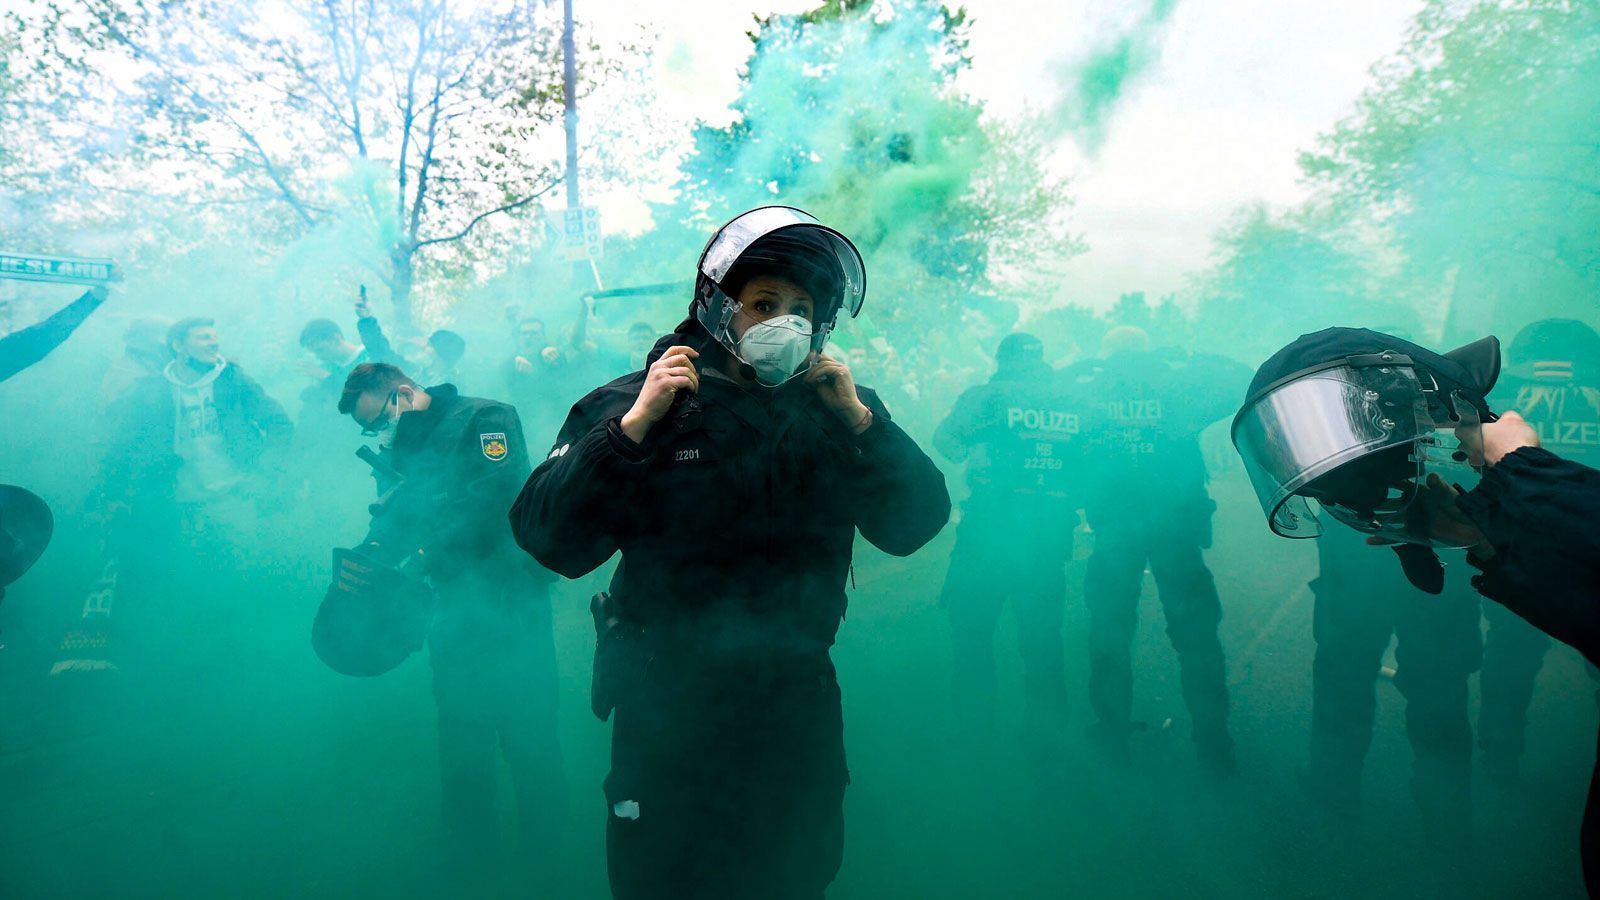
x=1354, y=419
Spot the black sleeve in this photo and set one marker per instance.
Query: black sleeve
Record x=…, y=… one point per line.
x=22, y=349
x=1218, y=384
x=457, y=514
x=489, y=480
x=377, y=344
x=566, y=514
x=1537, y=511
x=492, y=461
x=268, y=415
x=900, y=496
x=954, y=436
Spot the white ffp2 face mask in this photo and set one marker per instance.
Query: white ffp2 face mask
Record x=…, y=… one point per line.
x=776, y=347
x=386, y=434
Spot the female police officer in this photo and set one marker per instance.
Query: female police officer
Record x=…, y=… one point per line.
x=732, y=474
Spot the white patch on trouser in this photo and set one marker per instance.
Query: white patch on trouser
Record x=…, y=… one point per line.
x=625, y=809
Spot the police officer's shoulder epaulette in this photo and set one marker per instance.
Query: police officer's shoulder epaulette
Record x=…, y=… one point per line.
x=478, y=404
x=626, y=386
x=870, y=397
x=610, y=399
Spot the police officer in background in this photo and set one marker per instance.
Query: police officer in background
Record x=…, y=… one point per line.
x=1358, y=607
x=1552, y=377
x=733, y=475
x=1148, y=505
x=1357, y=420
x=1017, y=435
x=494, y=679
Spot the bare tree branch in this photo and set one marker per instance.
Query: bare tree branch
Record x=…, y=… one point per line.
x=351, y=73
x=331, y=103
x=509, y=207
x=408, y=113
x=426, y=164
x=206, y=103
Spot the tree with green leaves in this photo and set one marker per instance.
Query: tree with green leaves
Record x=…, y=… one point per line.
x=421, y=125
x=1277, y=276
x=854, y=112
x=1476, y=152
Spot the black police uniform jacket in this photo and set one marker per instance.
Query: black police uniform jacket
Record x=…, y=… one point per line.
x=735, y=519
x=1142, y=436
x=736, y=516
x=1018, y=434
x=1537, y=511
x=463, y=459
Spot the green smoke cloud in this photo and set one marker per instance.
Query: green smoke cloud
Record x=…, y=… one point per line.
x=1097, y=84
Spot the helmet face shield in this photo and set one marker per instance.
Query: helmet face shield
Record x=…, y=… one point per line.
x=1356, y=439
x=730, y=243
x=787, y=243
x=1407, y=511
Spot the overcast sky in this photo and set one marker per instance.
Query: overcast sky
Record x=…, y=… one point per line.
x=1240, y=87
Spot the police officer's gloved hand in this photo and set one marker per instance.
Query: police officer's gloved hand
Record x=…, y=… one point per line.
x=1443, y=521
x=1422, y=567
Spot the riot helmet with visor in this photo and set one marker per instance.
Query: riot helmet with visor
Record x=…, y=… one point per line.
x=1351, y=422
x=792, y=245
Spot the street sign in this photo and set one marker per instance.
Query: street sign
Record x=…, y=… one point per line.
x=580, y=235
x=57, y=269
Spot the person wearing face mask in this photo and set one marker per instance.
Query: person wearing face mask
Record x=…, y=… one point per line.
x=490, y=643
x=732, y=474
x=193, y=436
x=193, y=451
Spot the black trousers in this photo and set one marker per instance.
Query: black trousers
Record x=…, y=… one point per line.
x=727, y=781
x=494, y=682
x=1008, y=553
x=1192, y=608
x=1362, y=601
x=1513, y=654
x=1589, y=836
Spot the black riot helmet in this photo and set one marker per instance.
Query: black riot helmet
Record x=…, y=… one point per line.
x=787, y=243
x=1353, y=419
x=1563, y=349
x=372, y=617
x=1018, y=352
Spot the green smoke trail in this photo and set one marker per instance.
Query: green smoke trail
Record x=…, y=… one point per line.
x=1461, y=195
x=852, y=112
x=1097, y=85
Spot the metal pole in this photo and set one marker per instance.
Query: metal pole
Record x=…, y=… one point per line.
x=569, y=83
